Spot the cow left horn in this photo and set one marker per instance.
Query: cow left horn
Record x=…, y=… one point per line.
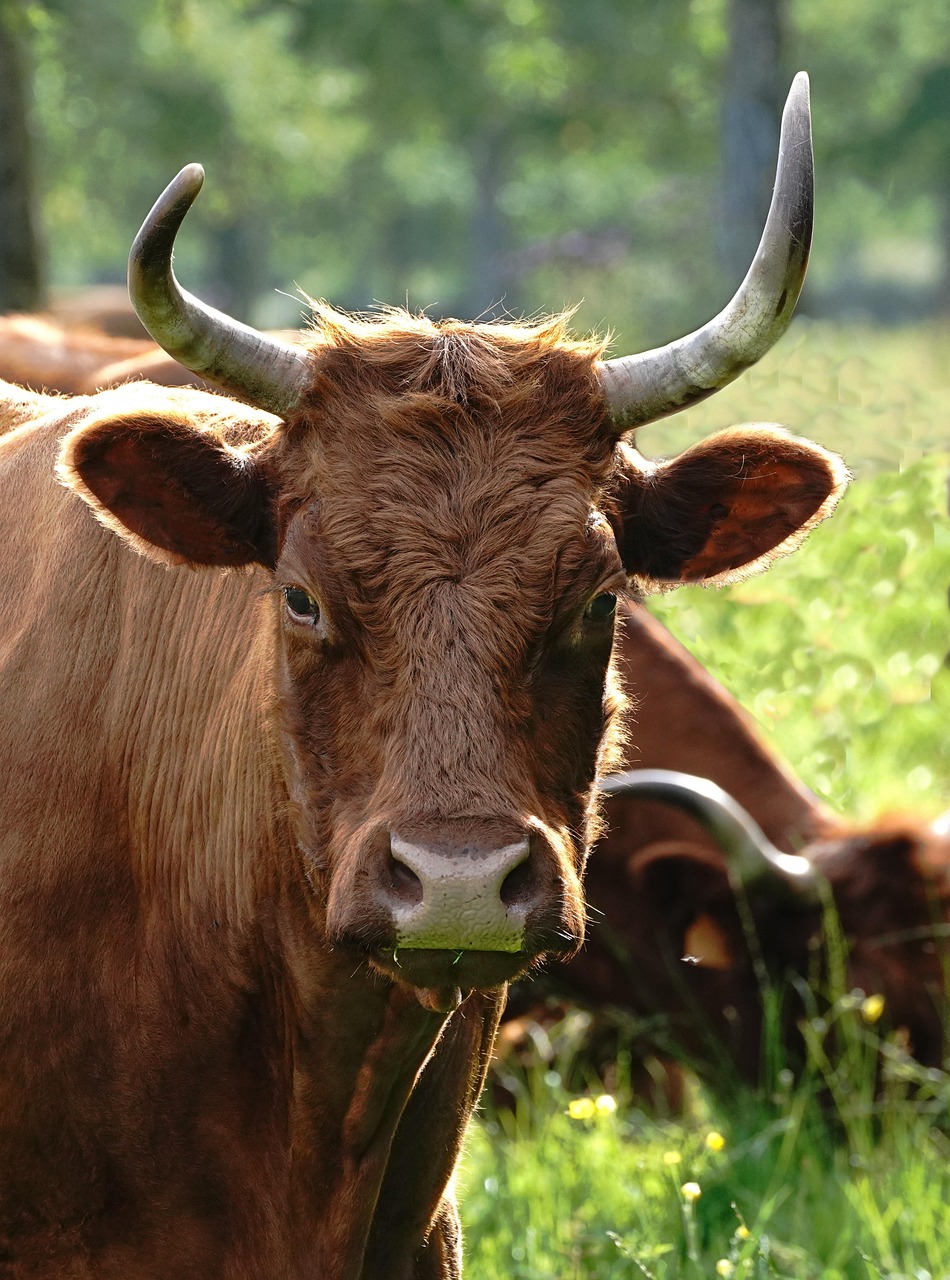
x=750, y=856
x=252, y=366
x=648, y=386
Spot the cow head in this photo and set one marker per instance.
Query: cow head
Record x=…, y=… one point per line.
x=447, y=512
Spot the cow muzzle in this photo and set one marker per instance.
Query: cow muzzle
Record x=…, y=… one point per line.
x=460, y=897
x=474, y=901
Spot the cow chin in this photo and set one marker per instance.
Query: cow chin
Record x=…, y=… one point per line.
x=468, y=969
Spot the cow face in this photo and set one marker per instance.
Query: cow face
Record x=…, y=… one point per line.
x=446, y=520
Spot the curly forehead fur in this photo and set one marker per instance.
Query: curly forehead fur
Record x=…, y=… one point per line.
x=401, y=375
x=457, y=427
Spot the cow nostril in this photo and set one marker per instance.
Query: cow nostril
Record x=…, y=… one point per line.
x=519, y=887
x=404, y=884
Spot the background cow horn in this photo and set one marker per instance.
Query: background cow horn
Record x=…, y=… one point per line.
x=259, y=370
x=750, y=855
x=645, y=387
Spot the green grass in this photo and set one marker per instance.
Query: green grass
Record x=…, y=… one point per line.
x=839, y=653
x=832, y=1175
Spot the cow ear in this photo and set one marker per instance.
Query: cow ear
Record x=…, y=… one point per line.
x=179, y=493
x=726, y=507
x=688, y=890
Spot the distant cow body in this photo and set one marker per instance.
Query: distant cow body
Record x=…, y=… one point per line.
x=668, y=941
x=294, y=791
x=41, y=353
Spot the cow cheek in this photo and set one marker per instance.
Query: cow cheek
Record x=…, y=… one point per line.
x=320, y=722
x=575, y=715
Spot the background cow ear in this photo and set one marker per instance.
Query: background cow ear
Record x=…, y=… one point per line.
x=178, y=493
x=726, y=507
x=689, y=891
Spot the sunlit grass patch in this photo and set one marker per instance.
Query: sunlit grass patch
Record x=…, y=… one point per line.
x=842, y=1173
x=839, y=651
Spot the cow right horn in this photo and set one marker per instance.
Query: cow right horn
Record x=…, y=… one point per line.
x=259, y=370
x=642, y=388
x=751, y=857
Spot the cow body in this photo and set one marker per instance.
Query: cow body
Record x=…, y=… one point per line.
x=214, y=1050
x=45, y=354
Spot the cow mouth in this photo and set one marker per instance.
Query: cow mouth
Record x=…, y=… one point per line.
x=443, y=972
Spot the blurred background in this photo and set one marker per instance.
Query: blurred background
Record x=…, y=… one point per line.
x=468, y=155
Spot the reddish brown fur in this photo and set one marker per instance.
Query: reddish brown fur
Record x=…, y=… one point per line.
x=223, y=1065
x=658, y=889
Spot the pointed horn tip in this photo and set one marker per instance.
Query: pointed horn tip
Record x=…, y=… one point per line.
x=189, y=180
x=178, y=196
x=799, y=97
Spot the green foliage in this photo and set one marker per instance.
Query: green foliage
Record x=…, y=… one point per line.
x=454, y=151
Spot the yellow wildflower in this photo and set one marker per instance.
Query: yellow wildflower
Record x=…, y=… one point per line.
x=742, y=1232
x=581, y=1108
x=871, y=1008
x=715, y=1141
x=691, y=1191
x=605, y=1104
x=671, y=1157
x=725, y=1268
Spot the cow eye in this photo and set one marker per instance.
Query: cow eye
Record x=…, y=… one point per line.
x=301, y=605
x=602, y=608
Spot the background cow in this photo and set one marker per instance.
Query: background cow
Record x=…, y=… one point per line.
x=702, y=968
x=45, y=354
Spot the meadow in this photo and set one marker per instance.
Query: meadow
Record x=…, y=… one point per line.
x=840, y=654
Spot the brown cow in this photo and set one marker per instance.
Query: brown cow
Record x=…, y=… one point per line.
x=103, y=308
x=661, y=889
x=293, y=793
x=41, y=353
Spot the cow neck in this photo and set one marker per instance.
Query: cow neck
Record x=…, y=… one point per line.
x=202, y=731
x=206, y=795
x=356, y=1044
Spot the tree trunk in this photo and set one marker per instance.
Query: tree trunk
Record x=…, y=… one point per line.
x=753, y=94
x=21, y=286
x=485, y=291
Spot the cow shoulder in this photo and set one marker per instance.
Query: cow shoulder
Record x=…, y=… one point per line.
x=724, y=508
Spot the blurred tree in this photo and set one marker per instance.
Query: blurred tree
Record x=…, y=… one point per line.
x=463, y=153
x=490, y=118
x=921, y=136
x=21, y=276
x=754, y=88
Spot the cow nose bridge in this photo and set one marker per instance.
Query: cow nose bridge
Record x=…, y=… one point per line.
x=462, y=896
